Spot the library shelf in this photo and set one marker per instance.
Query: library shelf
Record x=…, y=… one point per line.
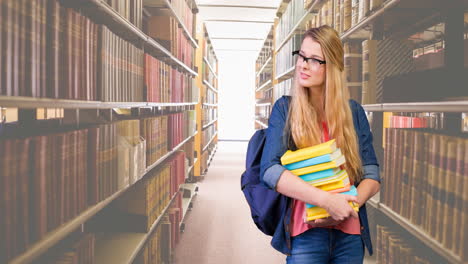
x=210, y=86
x=289, y=73
x=35, y=102
x=168, y=6
x=209, y=142
x=443, y=106
x=262, y=124
x=123, y=247
x=419, y=234
x=100, y=11
x=61, y=232
x=209, y=124
x=210, y=67
x=266, y=65
x=267, y=84
x=211, y=157
x=190, y=190
x=210, y=105
x=315, y=6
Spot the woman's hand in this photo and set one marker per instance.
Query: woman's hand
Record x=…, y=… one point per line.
x=337, y=205
x=323, y=222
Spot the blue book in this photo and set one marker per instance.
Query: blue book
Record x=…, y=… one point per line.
x=352, y=191
x=319, y=174
x=314, y=161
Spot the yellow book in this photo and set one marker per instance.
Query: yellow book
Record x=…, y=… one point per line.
x=307, y=153
x=320, y=167
x=318, y=212
x=331, y=183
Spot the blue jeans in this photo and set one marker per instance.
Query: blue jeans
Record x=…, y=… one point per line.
x=326, y=245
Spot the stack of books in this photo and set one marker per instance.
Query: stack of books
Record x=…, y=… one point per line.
x=320, y=166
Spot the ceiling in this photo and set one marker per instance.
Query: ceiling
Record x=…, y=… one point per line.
x=237, y=25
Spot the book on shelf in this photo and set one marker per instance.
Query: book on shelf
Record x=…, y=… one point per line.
x=394, y=247
x=425, y=168
x=132, y=10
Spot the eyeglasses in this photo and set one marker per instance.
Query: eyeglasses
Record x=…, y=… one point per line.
x=313, y=62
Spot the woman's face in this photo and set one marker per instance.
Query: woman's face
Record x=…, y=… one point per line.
x=310, y=74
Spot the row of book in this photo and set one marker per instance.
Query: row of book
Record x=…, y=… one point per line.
x=262, y=78
x=284, y=58
x=393, y=247
x=208, y=134
x=165, y=84
x=288, y=19
x=428, y=172
x=209, y=74
x=180, y=129
x=210, y=96
x=146, y=202
x=132, y=10
x=343, y=14
x=121, y=69
x=282, y=88
x=76, y=249
x=433, y=55
x=208, y=51
x=321, y=166
x=185, y=13
x=209, y=115
x=266, y=51
x=54, y=177
x=68, y=56
x=206, y=155
x=265, y=95
x=161, y=245
x=166, y=30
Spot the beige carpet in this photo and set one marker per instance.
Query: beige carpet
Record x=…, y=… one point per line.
x=219, y=228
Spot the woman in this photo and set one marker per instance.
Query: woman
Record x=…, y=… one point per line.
x=318, y=110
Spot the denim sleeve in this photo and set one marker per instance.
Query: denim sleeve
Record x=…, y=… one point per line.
x=368, y=157
x=270, y=165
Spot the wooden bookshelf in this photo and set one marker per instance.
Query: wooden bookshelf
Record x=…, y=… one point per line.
x=210, y=67
x=209, y=142
x=210, y=86
x=285, y=75
x=209, y=124
x=207, y=81
x=267, y=66
x=444, y=106
x=122, y=247
x=63, y=231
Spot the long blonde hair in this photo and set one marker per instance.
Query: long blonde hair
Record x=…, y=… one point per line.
x=303, y=122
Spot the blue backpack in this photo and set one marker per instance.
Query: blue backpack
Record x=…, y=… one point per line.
x=267, y=206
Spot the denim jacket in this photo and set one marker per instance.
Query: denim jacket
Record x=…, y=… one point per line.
x=271, y=168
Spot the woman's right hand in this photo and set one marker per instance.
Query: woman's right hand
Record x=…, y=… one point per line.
x=337, y=205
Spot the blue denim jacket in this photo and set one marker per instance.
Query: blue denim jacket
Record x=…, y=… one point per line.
x=271, y=168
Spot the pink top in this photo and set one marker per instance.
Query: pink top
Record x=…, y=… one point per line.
x=349, y=226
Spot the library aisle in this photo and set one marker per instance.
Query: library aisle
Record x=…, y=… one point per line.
x=219, y=228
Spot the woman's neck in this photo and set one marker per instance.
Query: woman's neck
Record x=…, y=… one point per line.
x=318, y=102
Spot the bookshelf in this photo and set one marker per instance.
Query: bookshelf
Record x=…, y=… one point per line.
x=207, y=80
x=79, y=118
x=394, y=61
x=264, y=80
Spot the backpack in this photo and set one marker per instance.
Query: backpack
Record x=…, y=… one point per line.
x=267, y=206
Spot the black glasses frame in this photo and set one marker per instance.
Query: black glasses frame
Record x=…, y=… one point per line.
x=297, y=52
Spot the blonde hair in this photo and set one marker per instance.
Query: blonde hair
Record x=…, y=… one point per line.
x=303, y=122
